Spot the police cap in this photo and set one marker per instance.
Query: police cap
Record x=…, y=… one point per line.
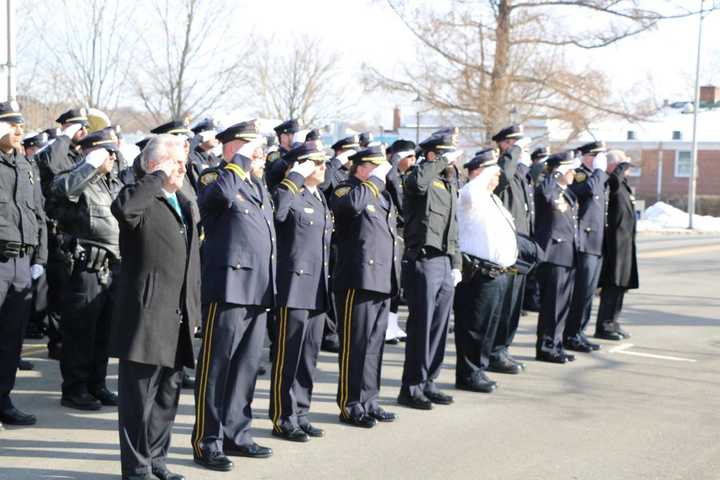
x=312, y=135
x=312, y=150
x=347, y=143
x=246, y=131
x=290, y=126
x=35, y=139
x=10, y=112
x=507, y=133
x=539, y=154
x=207, y=123
x=562, y=159
x=443, y=140
x=482, y=158
x=365, y=139
x=400, y=146
x=374, y=154
x=75, y=115
x=173, y=127
x=52, y=133
x=592, y=148
x=105, y=138
x=142, y=143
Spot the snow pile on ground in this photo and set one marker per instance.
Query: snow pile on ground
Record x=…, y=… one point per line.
x=662, y=216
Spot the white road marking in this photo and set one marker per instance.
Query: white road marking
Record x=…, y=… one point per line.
x=626, y=346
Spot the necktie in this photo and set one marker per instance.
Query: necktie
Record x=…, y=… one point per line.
x=172, y=200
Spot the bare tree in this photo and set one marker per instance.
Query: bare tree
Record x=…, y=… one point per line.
x=299, y=82
x=193, y=59
x=483, y=59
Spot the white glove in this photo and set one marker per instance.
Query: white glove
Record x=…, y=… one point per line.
x=456, y=275
x=381, y=171
x=207, y=135
x=305, y=168
x=71, y=130
x=525, y=159
x=4, y=129
x=37, y=271
x=248, y=150
x=524, y=143
x=97, y=157
x=344, y=157
x=600, y=162
x=451, y=157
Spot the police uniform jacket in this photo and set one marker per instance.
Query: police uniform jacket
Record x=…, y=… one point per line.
x=304, y=227
x=513, y=189
x=368, y=250
x=430, y=208
x=84, y=212
x=21, y=205
x=335, y=174
x=239, y=252
x=58, y=156
x=556, y=223
x=619, y=250
x=158, y=296
x=589, y=189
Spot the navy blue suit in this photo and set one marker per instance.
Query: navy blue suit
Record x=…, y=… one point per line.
x=238, y=275
x=365, y=278
x=304, y=226
x=589, y=188
x=556, y=233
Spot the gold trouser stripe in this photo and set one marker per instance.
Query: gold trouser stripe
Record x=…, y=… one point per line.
x=204, y=367
x=279, y=365
x=345, y=386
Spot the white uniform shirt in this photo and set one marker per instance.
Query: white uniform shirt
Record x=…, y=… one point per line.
x=487, y=229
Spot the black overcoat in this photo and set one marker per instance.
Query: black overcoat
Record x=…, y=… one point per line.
x=619, y=250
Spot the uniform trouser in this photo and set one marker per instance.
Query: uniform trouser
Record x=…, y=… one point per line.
x=587, y=274
x=531, y=299
x=477, y=307
x=611, y=304
x=15, y=305
x=85, y=327
x=148, y=398
x=55, y=279
x=510, y=316
x=330, y=330
x=428, y=287
x=298, y=345
x=227, y=370
x=362, y=326
x=556, y=284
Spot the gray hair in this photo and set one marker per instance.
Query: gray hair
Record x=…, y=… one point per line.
x=159, y=149
x=617, y=156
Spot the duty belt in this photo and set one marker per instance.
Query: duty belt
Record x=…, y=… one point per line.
x=473, y=265
x=14, y=249
x=424, y=252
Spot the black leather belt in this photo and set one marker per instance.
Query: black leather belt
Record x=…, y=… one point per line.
x=15, y=249
x=424, y=252
x=473, y=265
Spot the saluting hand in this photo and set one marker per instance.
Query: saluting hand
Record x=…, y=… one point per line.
x=381, y=171
x=600, y=161
x=305, y=168
x=4, y=129
x=344, y=157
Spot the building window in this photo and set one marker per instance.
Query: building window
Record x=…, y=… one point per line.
x=683, y=160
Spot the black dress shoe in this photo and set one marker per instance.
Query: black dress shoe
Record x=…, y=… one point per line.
x=439, y=397
x=55, y=351
x=622, y=332
x=165, y=474
x=214, y=461
x=312, y=431
x=418, y=402
x=251, y=451
x=594, y=346
x=481, y=386
x=392, y=341
x=83, y=401
x=577, y=345
x=106, y=397
x=604, y=335
x=382, y=416
x=188, y=383
x=294, y=435
x=504, y=365
x=569, y=357
x=13, y=416
x=25, y=365
x=365, y=421
x=515, y=362
x=551, y=357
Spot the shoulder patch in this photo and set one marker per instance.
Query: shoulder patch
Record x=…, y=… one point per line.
x=208, y=178
x=341, y=191
x=273, y=156
x=580, y=177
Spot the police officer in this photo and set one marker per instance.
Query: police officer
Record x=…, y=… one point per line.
x=365, y=279
x=556, y=233
x=515, y=194
x=590, y=189
x=275, y=165
x=304, y=228
x=238, y=287
x=84, y=195
x=430, y=269
x=21, y=215
x=531, y=298
x=201, y=156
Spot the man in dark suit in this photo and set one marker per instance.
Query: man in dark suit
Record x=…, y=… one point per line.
x=304, y=227
x=365, y=279
x=239, y=255
x=158, y=302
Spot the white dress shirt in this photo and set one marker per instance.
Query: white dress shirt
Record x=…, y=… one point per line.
x=487, y=229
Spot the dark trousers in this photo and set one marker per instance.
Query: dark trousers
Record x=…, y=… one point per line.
x=428, y=287
x=555, y=295
x=50, y=288
x=477, y=307
x=510, y=316
x=531, y=299
x=298, y=345
x=227, y=370
x=330, y=330
x=85, y=327
x=611, y=304
x=362, y=328
x=148, y=397
x=15, y=305
x=587, y=274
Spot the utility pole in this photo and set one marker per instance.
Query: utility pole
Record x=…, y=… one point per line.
x=692, y=182
x=7, y=50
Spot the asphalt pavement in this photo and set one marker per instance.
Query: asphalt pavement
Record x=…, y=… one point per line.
x=644, y=408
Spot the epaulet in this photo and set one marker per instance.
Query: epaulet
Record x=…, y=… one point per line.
x=237, y=170
x=289, y=185
x=373, y=188
x=208, y=176
x=342, y=191
x=580, y=176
